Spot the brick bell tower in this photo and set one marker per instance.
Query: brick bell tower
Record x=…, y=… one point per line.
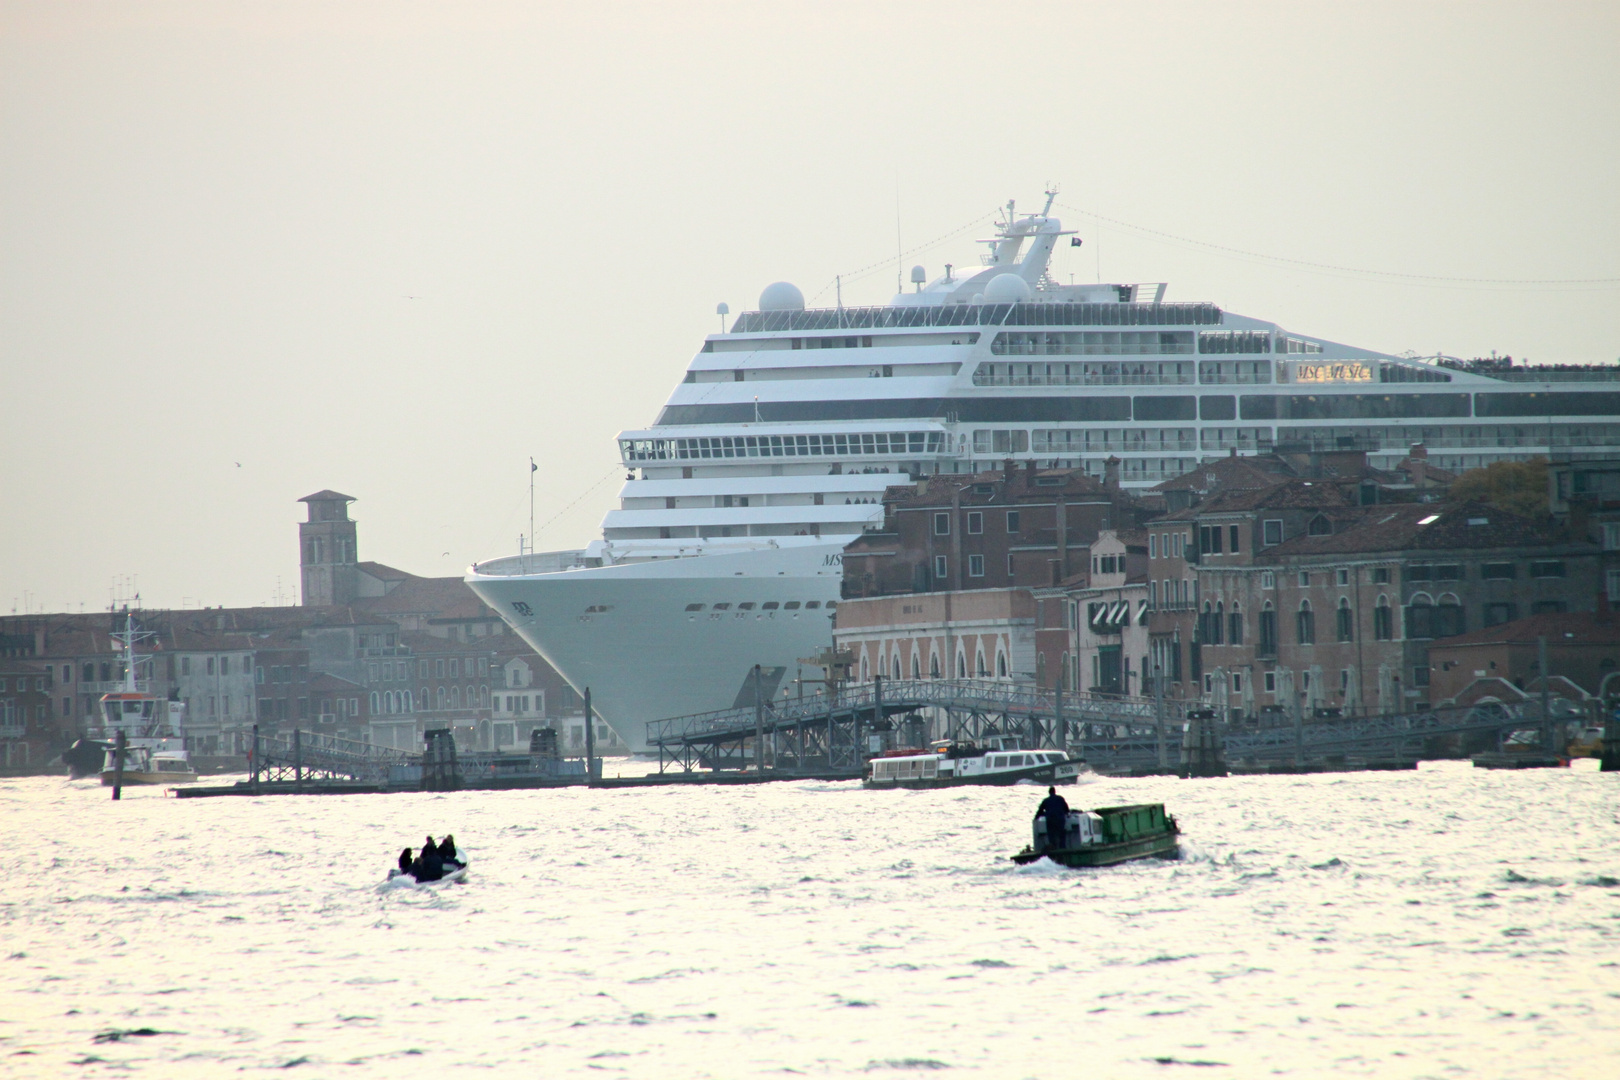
x=327, y=550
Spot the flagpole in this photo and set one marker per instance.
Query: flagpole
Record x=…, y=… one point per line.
x=532, y=468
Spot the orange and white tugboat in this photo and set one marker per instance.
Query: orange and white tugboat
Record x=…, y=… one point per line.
x=154, y=729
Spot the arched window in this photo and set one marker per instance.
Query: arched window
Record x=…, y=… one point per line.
x=1345, y=621
x=1420, y=617
x=472, y=697
x=933, y=665
x=1001, y=664
x=483, y=697
x=866, y=673
x=1268, y=630
x=978, y=664
x=1063, y=671
x=1234, y=627
x=1448, y=616
x=439, y=696
x=376, y=703
x=896, y=667
x=1305, y=623
x=408, y=699
x=1383, y=620
x=1215, y=624
x=455, y=697
x=961, y=666
x=916, y=664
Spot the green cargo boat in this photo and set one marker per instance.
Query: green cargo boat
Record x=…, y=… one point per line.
x=1107, y=835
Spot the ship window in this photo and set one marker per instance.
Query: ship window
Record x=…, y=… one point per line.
x=694, y=607
x=809, y=604
x=722, y=607
x=832, y=604
x=791, y=605
x=746, y=605
x=1358, y=406
x=769, y=605
x=1234, y=341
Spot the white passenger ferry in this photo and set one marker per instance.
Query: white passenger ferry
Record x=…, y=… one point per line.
x=774, y=450
x=949, y=764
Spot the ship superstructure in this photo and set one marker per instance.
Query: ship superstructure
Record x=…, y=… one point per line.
x=774, y=450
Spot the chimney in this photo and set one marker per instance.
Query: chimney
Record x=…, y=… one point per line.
x=1062, y=530
x=1417, y=466
x=1029, y=473
x=1009, y=468
x=1111, y=472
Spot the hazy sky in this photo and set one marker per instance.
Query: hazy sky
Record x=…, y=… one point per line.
x=249, y=251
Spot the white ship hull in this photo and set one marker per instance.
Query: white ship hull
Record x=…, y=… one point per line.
x=624, y=631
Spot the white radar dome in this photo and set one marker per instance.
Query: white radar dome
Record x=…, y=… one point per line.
x=1006, y=289
x=781, y=296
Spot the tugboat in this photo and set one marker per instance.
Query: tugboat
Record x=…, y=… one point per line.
x=1105, y=836
x=154, y=729
x=947, y=763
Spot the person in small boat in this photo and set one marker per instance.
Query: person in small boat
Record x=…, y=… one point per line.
x=405, y=861
x=447, y=849
x=1056, y=811
x=428, y=866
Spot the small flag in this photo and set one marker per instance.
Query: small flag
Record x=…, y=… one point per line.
x=532, y=466
x=1075, y=241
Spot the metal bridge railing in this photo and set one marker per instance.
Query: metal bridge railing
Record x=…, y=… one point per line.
x=904, y=695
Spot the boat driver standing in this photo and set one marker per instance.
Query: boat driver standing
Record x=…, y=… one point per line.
x=1056, y=811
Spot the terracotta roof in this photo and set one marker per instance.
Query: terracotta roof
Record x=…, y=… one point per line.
x=1559, y=628
x=384, y=573
x=1023, y=485
x=439, y=598
x=1228, y=473
x=1420, y=527
x=1290, y=494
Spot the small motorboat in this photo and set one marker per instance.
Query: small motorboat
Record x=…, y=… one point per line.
x=1105, y=836
x=455, y=870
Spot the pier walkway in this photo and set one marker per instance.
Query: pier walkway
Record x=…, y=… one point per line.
x=310, y=758
x=835, y=733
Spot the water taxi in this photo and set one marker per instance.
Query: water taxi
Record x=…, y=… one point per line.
x=948, y=763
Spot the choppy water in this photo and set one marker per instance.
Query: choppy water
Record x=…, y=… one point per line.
x=1444, y=923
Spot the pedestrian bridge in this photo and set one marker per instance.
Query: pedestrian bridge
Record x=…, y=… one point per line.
x=838, y=731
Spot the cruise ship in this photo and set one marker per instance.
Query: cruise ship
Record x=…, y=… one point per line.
x=774, y=450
